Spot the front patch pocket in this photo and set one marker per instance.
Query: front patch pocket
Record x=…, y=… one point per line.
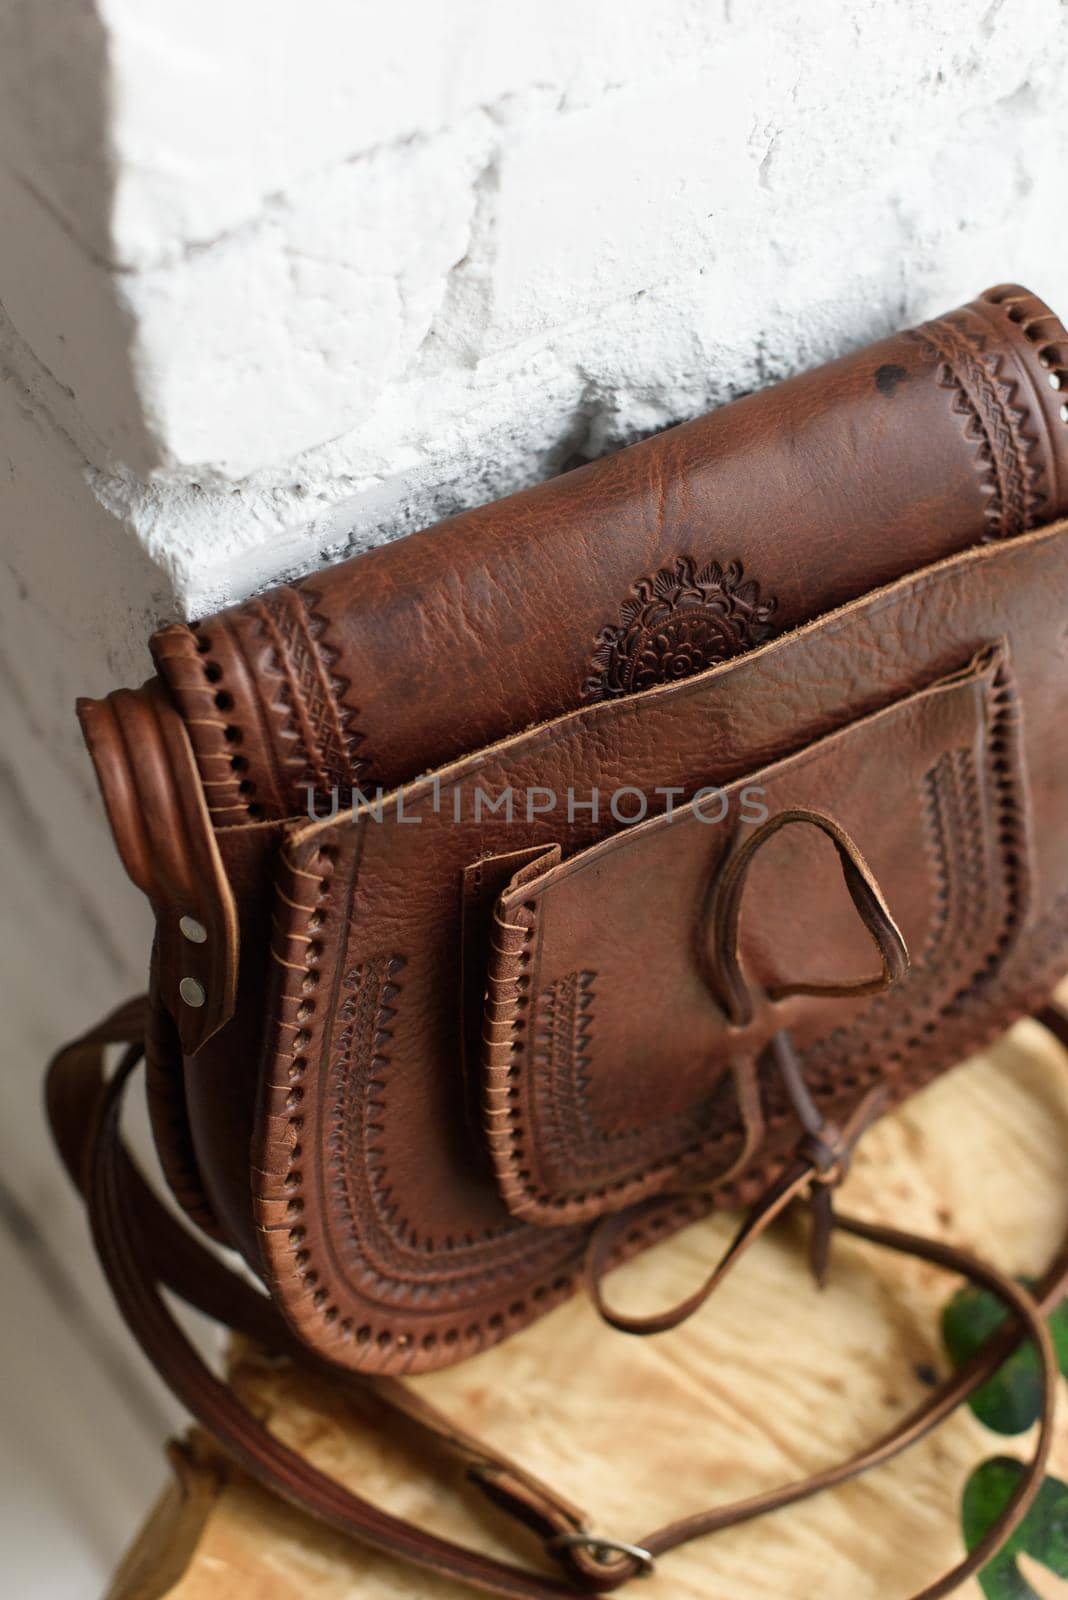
x=607, y=1059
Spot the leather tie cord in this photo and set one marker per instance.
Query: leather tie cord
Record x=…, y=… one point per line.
x=826, y=1150
x=143, y=1248
x=725, y=977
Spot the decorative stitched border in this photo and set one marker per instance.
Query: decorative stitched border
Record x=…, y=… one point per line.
x=895, y=1029
x=332, y=1299
x=1041, y=328
x=305, y=733
x=309, y=703
x=1008, y=451
x=184, y=656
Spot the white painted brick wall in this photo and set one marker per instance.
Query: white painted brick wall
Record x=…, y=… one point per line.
x=346, y=256
x=279, y=280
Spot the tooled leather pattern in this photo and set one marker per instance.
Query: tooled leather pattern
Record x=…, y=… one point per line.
x=891, y=1034
x=1036, y=964
x=1008, y=450
x=343, y=1254
x=978, y=876
x=386, y=1243
x=563, y=1023
x=309, y=699
x=564, y=1037
x=675, y=624
x=888, y=1042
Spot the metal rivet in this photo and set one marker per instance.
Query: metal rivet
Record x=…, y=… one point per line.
x=1054, y=380
x=1064, y=413
x=192, y=992
x=193, y=930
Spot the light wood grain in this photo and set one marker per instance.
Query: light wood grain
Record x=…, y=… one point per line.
x=770, y=1381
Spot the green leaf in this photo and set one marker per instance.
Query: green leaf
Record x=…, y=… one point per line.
x=1011, y=1400
x=1043, y=1534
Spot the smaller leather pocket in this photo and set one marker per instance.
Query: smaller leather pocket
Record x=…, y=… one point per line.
x=607, y=1066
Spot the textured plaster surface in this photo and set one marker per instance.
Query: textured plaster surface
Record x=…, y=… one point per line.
x=306, y=276
x=278, y=282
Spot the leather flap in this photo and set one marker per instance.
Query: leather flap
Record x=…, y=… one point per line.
x=609, y=1053
x=685, y=550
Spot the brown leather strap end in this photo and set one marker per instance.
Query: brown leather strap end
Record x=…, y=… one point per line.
x=155, y=804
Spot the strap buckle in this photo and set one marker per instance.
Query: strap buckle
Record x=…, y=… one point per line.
x=604, y=1550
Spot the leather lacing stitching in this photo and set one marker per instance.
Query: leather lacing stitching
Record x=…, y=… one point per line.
x=367, y=1342
x=516, y=1179
x=197, y=685
x=1042, y=328
x=303, y=1010
x=231, y=734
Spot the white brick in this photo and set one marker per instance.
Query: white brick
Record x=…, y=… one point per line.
x=319, y=215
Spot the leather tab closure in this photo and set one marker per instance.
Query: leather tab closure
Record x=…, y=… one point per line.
x=155, y=803
x=630, y=1001
x=725, y=975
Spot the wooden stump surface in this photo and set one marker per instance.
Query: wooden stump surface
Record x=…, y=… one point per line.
x=770, y=1381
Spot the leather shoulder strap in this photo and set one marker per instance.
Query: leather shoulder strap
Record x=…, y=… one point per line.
x=144, y=1249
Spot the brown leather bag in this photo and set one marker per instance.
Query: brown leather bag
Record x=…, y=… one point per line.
x=507, y=883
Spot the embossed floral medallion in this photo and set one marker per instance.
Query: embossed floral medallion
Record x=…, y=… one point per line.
x=678, y=623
